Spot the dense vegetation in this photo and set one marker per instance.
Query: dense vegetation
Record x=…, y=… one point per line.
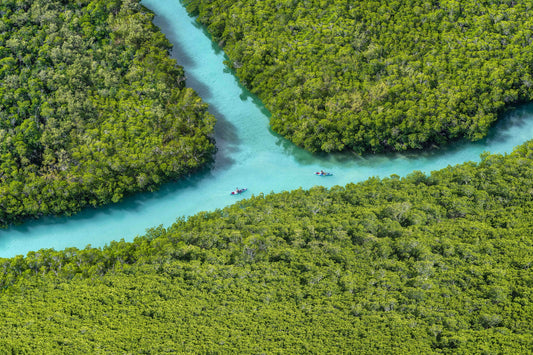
x=91, y=107
x=421, y=264
x=377, y=75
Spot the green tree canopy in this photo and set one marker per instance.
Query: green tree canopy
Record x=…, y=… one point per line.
x=437, y=263
x=373, y=76
x=91, y=107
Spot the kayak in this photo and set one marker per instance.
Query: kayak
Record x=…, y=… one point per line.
x=238, y=191
x=323, y=174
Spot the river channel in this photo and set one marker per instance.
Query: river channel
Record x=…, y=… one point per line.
x=249, y=155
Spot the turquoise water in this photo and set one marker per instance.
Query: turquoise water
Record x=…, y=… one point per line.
x=249, y=155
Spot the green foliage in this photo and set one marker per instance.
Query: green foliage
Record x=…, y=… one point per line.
x=91, y=107
x=436, y=263
x=377, y=75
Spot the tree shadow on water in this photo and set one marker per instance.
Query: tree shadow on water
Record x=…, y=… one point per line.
x=200, y=88
x=226, y=138
x=227, y=141
x=514, y=118
x=177, y=52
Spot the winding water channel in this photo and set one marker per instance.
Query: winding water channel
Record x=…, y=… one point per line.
x=249, y=155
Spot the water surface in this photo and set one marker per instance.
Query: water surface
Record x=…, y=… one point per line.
x=249, y=155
